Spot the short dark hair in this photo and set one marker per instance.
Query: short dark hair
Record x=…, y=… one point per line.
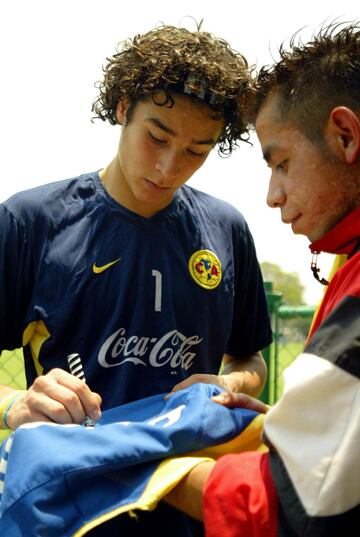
x=168, y=57
x=311, y=79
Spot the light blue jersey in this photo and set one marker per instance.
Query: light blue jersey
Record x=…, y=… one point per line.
x=61, y=480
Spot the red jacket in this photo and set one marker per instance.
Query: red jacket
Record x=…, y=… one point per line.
x=308, y=484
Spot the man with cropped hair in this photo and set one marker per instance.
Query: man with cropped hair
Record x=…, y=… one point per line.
x=306, y=112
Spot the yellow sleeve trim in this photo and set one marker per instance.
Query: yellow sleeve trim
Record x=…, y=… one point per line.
x=35, y=334
x=165, y=478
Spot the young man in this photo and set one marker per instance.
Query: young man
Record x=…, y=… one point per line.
x=307, y=118
x=153, y=283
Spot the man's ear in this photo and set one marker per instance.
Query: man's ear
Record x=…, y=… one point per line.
x=344, y=128
x=121, y=110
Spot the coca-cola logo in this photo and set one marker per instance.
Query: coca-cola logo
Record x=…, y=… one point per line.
x=173, y=348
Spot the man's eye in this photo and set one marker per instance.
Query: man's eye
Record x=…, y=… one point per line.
x=155, y=139
x=282, y=166
x=195, y=154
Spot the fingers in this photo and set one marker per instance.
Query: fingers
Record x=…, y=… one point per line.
x=58, y=397
x=226, y=398
x=193, y=379
x=32, y=407
x=74, y=394
x=240, y=400
x=180, y=386
x=38, y=406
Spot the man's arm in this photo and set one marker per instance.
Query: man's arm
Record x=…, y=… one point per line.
x=234, y=496
x=246, y=375
x=187, y=496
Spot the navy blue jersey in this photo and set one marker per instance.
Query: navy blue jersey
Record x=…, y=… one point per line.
x=146, y=302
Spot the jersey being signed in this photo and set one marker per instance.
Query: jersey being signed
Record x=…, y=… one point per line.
x=63, y=480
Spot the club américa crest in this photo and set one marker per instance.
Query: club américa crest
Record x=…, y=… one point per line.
x=205, y=269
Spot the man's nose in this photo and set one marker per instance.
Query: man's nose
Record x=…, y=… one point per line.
x=276, y=194
x=168, y=166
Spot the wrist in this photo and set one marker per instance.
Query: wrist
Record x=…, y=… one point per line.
x=5, y=405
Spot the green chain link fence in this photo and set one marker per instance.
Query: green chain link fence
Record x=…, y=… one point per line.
x=290, y=325
x=12, y=373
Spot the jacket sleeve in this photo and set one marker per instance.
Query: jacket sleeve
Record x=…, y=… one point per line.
x=308, y=485
x=240, y=498
x=315, y=429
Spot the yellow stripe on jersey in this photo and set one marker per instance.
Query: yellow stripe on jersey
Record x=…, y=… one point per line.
x=35, y=335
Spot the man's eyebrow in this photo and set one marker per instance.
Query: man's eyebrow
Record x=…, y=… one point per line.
x=209, y=141
x=267, y=153
x=161, y=126
x=156, y=121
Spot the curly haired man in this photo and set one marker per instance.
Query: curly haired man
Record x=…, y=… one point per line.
x=155, y=284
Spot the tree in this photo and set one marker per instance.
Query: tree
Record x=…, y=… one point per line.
x=286, y=283
x=289, y=285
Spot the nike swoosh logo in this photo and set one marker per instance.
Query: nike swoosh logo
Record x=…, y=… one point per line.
x=99, y=270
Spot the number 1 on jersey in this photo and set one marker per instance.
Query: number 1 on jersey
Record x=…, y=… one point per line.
x=158, y=289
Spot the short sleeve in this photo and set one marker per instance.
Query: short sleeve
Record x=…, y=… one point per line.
x=15, y=278
x=251, y=329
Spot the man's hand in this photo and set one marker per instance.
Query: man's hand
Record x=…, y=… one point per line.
x=240, y=375
x=218, y=380
x=56, y=397
x=240, y=400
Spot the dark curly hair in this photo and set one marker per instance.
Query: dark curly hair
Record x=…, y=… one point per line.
x=311, y=79
x=167, y=57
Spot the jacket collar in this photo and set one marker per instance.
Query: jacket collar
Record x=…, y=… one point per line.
x=344, y=238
